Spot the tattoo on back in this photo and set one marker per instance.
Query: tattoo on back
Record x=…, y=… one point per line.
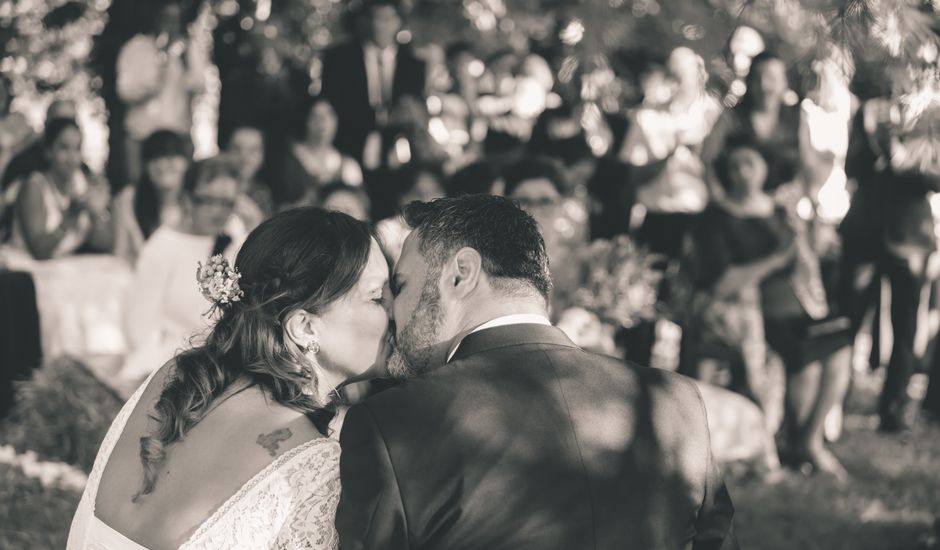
x=272, y=440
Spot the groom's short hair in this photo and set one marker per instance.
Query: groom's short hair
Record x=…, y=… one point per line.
x=507, y=238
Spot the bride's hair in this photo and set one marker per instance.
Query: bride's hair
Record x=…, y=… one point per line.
x=305, y=258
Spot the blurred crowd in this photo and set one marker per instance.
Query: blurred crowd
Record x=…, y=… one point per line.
x=780, y=222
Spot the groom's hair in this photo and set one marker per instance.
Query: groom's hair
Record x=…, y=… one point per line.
x=507, y=238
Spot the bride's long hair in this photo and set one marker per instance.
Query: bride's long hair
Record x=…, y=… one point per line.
x=305, y=258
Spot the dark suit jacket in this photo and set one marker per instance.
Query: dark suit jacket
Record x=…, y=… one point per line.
x=346, y=86
x=525, y=441
x=889, y=209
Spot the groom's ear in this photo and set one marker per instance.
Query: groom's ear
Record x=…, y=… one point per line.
x=301, y=328
x=466, y=272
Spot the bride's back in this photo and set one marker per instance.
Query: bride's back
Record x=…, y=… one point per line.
x=233, y=443
x=224, y=447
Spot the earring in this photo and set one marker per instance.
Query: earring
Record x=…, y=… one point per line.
x=312, y=347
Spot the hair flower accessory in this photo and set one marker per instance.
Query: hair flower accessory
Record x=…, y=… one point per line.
x=218, y=281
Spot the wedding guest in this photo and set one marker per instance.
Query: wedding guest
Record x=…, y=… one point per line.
x=558, y=134
x=164, y=308
x=825, y=123
x=156, y=199
x=611, y=202
x=15, y=133
x=537, y=184
x=262, y=85
x=63, y=209
x=313, y=161
x=463, y=68
x=662, y=147
x=33, y=156
x=30, y=157
x=158, y=73
x=666, y=174
x=888, y=232
x=419, y=183
x=348, y=199
x=767, y=117
x=772, y=275
x=366, y=78
x=255, y=201
x=733, y=247
x=481, y=176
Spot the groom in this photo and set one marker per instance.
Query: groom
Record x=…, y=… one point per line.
x=506, y=435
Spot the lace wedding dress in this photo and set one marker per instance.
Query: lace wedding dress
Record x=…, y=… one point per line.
x=289, y=504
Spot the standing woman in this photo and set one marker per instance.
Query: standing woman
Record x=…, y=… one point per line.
x=155, y=200
x=662, y=149
x=766, y=117
x=62, y=208
x=313, y=162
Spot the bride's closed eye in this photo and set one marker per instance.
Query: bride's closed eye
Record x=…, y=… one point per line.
x=378, y=296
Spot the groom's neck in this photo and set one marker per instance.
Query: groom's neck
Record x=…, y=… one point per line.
x=476, y=314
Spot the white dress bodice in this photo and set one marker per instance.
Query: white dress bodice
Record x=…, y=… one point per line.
x=289, y=504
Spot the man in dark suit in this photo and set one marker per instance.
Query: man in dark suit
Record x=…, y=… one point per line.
x=366, y=79
x=888, y=232
x=505, y=435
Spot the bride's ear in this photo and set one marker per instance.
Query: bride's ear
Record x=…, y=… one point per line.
x=301, y=328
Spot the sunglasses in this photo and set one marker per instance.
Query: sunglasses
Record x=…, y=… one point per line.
x=542, y=202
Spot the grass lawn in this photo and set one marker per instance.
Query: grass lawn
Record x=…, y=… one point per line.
x=889, y=504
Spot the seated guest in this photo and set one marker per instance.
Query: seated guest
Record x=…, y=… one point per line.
x=733, y=248
x=255, y=202
x=538, y=185
x=757, y=255
x=419, y=183
x=156, y=199
x=62, y=209
x=33, y=157
x=164, y=308
x=313, y=161
x=348, y=199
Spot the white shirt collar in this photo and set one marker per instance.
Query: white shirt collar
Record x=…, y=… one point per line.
x=372, y=47
x=505, y=320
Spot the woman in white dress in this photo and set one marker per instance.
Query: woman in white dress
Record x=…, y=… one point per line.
x=227, y=445
x=61, y=208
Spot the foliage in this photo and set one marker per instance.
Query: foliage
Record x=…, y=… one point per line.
x=620, y=282
x=31, y=515
x=62, y=414
x=46, y=44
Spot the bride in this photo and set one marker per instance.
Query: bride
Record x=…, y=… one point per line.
x=227, y=445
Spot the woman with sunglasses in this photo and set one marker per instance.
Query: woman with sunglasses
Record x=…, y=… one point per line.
x=164, y=308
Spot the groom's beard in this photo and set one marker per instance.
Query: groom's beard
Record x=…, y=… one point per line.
x=416, y=345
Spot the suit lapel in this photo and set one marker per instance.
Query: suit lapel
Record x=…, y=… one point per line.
x=358, y=62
